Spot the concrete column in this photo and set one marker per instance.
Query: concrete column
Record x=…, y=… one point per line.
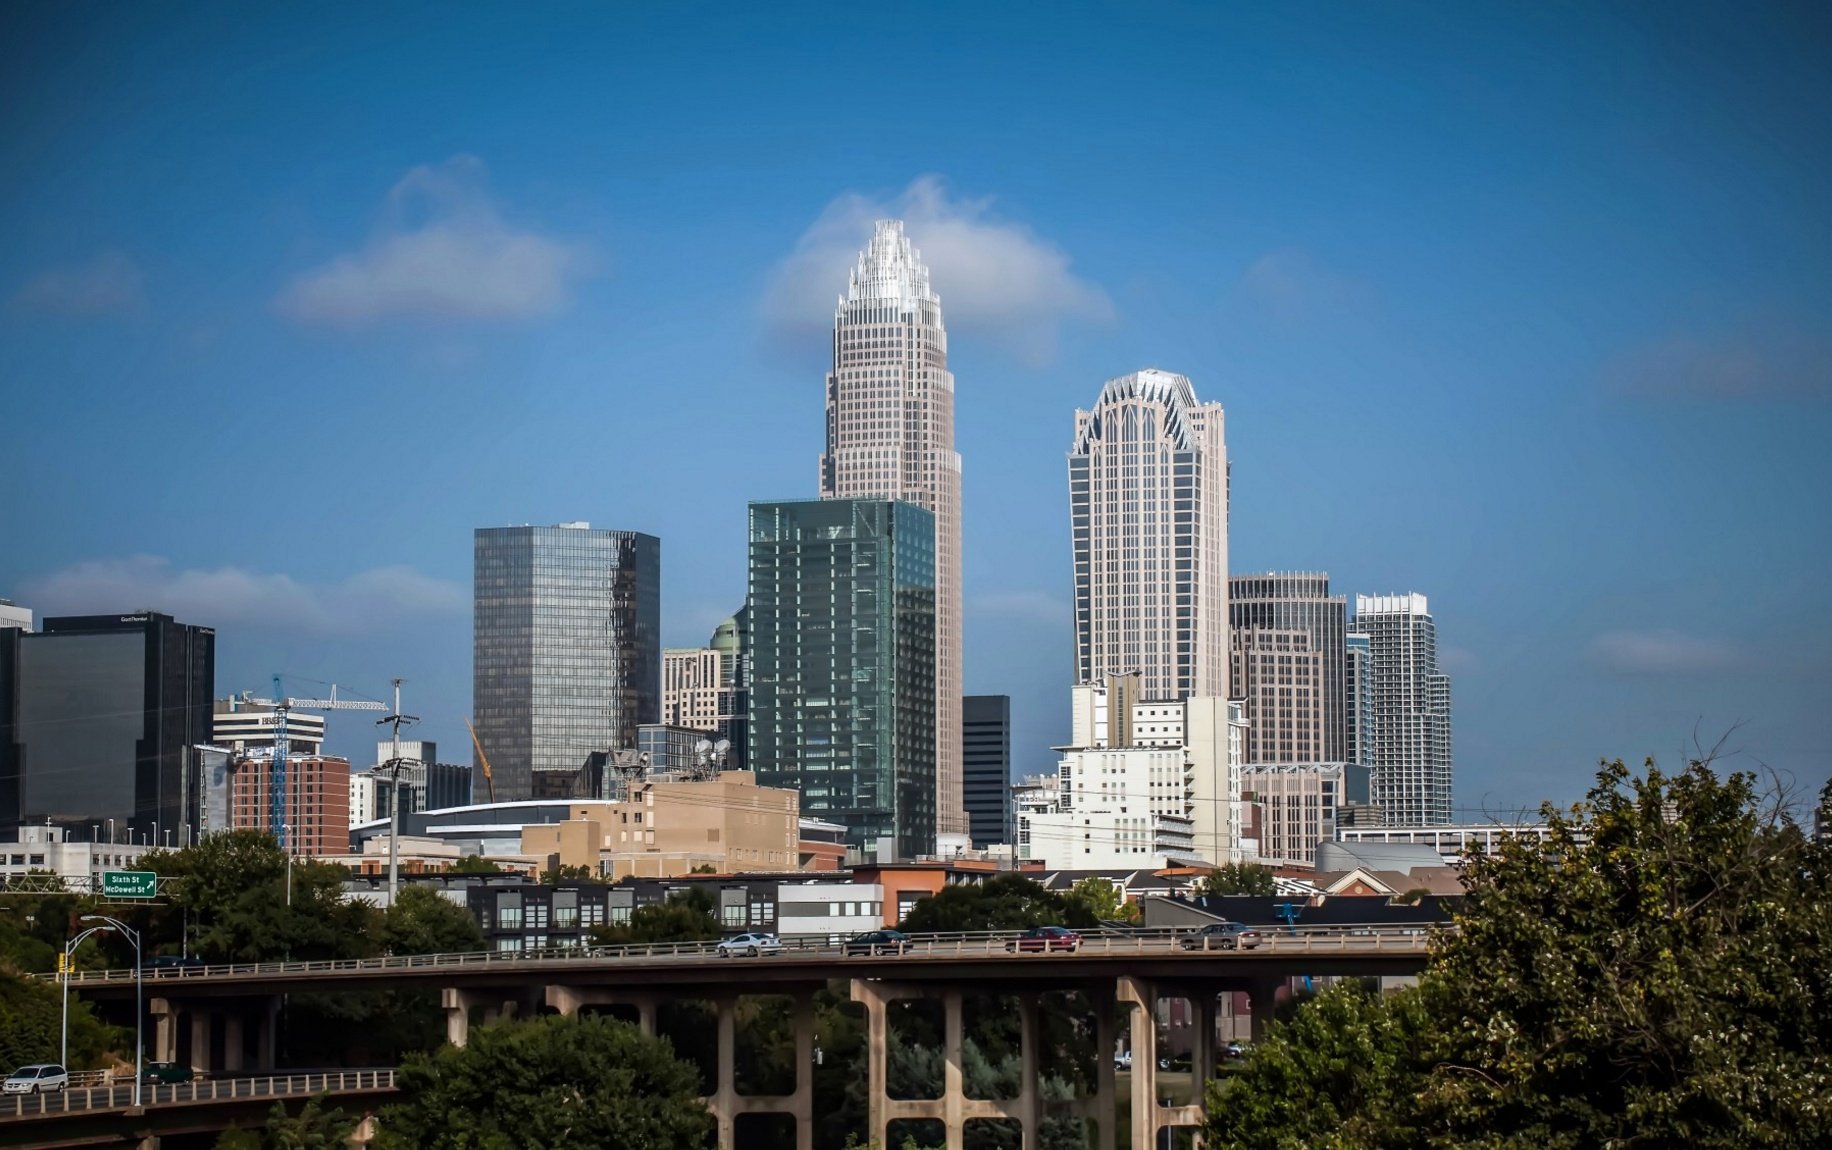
x=877, y=1055
x=953, y=1091
x=725, y=1093
x=645, y=1016
x=457, y=1004
x=147, y=1142
x=1030, y=1093
x=1106, y=1038
x=200, y=1042
x=1261, y=999
x=564, y=1000
x=1202, y=1056
x=165, y=1030
x=1144, y=999
x=268, y=1025
x=233, y=1053
x=802, y=1101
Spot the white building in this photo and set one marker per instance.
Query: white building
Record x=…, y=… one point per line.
x=362, y=798
x=1148, y=500
x=690, y=687
x=890, y=435
x=243, y=727
x=78, y=864
x=1410, y=716
x=12, y=615
x=1449, y=841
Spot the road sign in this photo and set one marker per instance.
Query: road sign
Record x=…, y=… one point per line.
x=129, y=884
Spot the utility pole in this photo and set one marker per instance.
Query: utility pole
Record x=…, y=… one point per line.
x=394, y=804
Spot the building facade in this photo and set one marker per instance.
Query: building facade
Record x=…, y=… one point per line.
x=1358, y=694
x=13, y=615
x=1410, y=750
x=986, y=767
x=690, y=687
x=566, y=647
x=841, y=656
x=890, y=436
x=1293, y=806
x=317, y=817
x=241, y=726
x=100, y=716
x=1148, y=511
x=1289, y=664
x=79, y=862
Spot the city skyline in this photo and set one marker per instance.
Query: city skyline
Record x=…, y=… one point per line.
x=1556, y=344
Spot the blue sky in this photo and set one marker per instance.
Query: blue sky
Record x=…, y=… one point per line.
x=1525, y=308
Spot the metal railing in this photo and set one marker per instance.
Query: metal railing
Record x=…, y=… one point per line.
x=1346, y=939
x=85, y=1100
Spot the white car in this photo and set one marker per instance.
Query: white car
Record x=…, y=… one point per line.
x=36, y=1079
x=750, y=944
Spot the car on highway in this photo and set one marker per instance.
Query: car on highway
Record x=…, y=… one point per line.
x=751, y=945
x=1046, y=938
x=166, y=1073
x=877, y=942
x=1221, y=936
x=38, y=1078
x=172, y=962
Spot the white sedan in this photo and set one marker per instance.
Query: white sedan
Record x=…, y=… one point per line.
x=38, y=1078
x=751, y=945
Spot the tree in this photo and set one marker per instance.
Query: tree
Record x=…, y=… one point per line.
x=475, y=864
x=1008, y=902
x=421, y=921
x=563, y=1083
x=1657, y=973
x=560, y=874
x=31, y=1022
x=686, y=916
x=1102, y=899
x=1238, y=878
x=313, y=1128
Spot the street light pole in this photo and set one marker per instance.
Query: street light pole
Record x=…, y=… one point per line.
x=132, y=936
x=64, y=977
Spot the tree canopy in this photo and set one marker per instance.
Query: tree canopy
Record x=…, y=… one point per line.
x=1657, y=973
x=1238, y=878
x=686, y=916
x=1007, y=902
x=313, y=1128
x=423, y=922
x=562, y=1083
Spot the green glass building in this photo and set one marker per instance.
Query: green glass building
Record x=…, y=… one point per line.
x=841, y=657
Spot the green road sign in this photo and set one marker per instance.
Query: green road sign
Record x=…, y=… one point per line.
x=129, y=884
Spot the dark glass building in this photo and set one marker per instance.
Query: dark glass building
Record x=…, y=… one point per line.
x=99, y=715
x=566, y=647
x=986, y=761
x=841, y=653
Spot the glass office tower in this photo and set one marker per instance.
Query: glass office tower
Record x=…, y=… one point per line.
x=566, y=648
x=841, y=650
x=986, y=763
x=99, y=715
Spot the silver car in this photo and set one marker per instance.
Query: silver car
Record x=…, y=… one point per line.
x=751, y=945
x=39, y=1078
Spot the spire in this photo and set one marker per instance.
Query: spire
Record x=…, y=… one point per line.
x=889, y=270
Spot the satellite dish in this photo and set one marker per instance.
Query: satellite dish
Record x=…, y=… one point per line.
x=722, y=746
x=702, y=746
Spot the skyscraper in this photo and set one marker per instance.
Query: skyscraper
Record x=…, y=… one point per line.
x=890, y=435
x=99, y=719
x=703, y=688
x=1358, y=688
x=986, y=767
x=841, y=653
x=1289, y=666
x=1410, y=717
x=566, y=647
x=1148, y=503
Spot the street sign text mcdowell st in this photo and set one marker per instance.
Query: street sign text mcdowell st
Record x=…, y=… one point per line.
x=129, y=884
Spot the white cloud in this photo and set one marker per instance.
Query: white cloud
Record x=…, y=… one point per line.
x=1034, y=605
x=997, y=279
x=1292, y=287
x=109, y=284
x=234, y=596
x=1660, y=652
x=442, y=251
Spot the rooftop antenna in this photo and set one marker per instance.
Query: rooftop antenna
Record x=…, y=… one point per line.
x=396, y=720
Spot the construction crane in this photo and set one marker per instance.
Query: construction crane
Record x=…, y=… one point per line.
x=488, y=779
x=281, y=704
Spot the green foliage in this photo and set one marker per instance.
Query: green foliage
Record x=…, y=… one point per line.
x=559, y=874
x=1658, y=973
x=1238, y=878
x=422, y=921
x=1008, y=902
x=1102, y=900
x=475, y=864
x=704, y=868
x=687, y=916
x=313, y=1128
x=232, y=887
x=557, y=1082
x=31, y=1021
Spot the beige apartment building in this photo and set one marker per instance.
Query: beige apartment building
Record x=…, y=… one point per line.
x=1281, y=677
x=668, y=828
x=690, y=687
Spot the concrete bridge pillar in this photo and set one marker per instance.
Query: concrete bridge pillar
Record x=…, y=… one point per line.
x=801, y=1103
x=953, y=1089
x=1262, y=997
x=233, y=1052
x=201, y=1034
x=1106, y=1039
x=1144, y=999
x=165, y=1030
x=1030, y=1094
x=725, y=1090
x=267, y=1025
x=876, y=998
x=568, y=1000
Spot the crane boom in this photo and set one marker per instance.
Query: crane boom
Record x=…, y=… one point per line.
x=276, y=782
x=488, y=779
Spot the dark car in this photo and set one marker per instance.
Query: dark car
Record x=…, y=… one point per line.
x=163, y=1073
x=173, y=962
x=1046, y=938
x=1221, y=936
x=878, y=942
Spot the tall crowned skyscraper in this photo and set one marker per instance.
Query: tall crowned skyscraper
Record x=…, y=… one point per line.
x=1148, y=503
x=890, y=435
x=1410, y=748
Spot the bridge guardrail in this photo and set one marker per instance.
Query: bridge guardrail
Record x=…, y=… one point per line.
x=79, y=1100
x=1298, y=939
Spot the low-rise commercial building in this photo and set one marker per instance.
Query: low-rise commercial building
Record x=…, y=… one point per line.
x=78, y=864
x=316, y=819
